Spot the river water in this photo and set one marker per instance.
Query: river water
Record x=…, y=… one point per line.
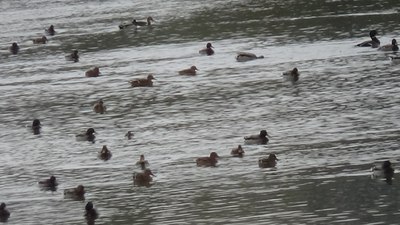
x=327, y=129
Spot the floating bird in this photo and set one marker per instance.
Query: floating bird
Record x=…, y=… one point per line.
x=95, y=72
x=246, y=56
x=268, y=162
x=374, y=42
x=90, y=213
x=208, y=50
x=191, y=71
x=385, y=171
x=129, y=135
x=142, y=162
x=144, y=178
x=390, y=47
x=87, y=136
x=73, y=56
x=75, y=193
x=136, y=23
x=105, y=154
x=14, y=48
x=50, y=31
x=99, y=107
x=292, y=75
x=42, y=40
x=36, y=126
x=49, y=184
x=143, y=82
x=208, y=161
x=4, y=213
x=237, y=152
x=260, y=139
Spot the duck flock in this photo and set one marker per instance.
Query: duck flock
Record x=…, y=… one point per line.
x=144, y=178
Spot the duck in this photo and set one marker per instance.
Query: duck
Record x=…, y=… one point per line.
x=191, y=71
x=105, y=154
x=99, y=107
x=390, y=47
x=237, y=152
x=41, y=40
x=258, y=138
x=49, y=183
x=4, y=213
x=144, y=178
x=141, y=23
x=129, y=135
x=90, y=212
x=73, y=56
x=95, y=72
x=36, y=126
x=76, y=193
x=291, y=75
x=246, y=56
x=14, y=48
x=87, y=136
x=385, y=171
x=142, y=162
x=268, y=162
x=143, y=82
x=50, y=31
x=374, y=42
x=208, y=161
x=208, y=50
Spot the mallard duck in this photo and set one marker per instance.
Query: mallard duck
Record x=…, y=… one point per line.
x=142, y=162
x=144, y=178
x=14, y=48
x=291, y=75
x=95, y=72
x=87, y=136
x=4, y=213
x=390, y=47
x=260, y=139
x=384, y=171
x=270, y=161
x=208, y=161
x=73, y=56
x=50, y=31
x=374, y=42
x=105, y=154
x=49, y=183
x=129, y=135
x=246, y=56
x=237, y=152
x=36, y=126
x=90, y=212
x=41, y=40
x=99, y=107
x=208, y=50
x=191, y=71
x=143, y=82
x=76, y=193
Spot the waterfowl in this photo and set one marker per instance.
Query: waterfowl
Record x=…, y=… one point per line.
x=143, y=82
x=237, y=152
x=129, y=135
x=42, y=40
x=144, y=178
x=208, y=161
x=385, y=171
x=105, y=154
x=50, y=31
x=390, y=47
x=76, y=193
x=95, y=72
x=4, y=213
x=246, y=56
x=395, y=59
x=208, y=50
x=36, y=126
x=142, y=162
x=73, y=56
x=87, y=136
x=257, y=139
x=291, y=75
x=374, y=42
x=191, y=71
x=90, y=212
x=14, y=48
x=141, y=23
x=99, y=107
x=268, y=162
x=49, y=183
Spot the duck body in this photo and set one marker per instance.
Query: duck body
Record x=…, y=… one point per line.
x=384, y=171
x=14, y=48
x=267, y=162
x=144, y=178
x=74, y=57
x=260, y=139
x=41, y=40
x=90, y=212
x=87, y=136
x=75, y=193
x=246, y=56
x=4, y=213
x=237, y=152
x=374, y=42
x=99, y=107
x=95, y=72
x=36, y=126
x=391, y=47
x=292, y=75
x=208, y=50
x=190, y=72
x=143, y=82
x=208, y=161
x=105, y=154
x=49, y=184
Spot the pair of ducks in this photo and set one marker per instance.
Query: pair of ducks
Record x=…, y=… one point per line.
x=241, y=56
x=212, y=160
x=137, y=23
x=375, y=43
x=43, y=40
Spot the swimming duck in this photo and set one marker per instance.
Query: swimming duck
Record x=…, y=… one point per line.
x=88, y=136
x=14, y=48
x=90, y=212
x=246, y=56
x=42, y=40
x=95, y=72
x=390, y=47
x=76, y=193
x=50, y=31
x=144, y=178
x=105, y=154
x=49, y=183
x=73, y=56
x=141, y=23
x=292, y=75
x=208, y=50
x=142, y=162
x=191, y=71
x=4, y=213
x=270, y=161
x=374, y=42
x=385, y=171
x=143, y=82
x=237, y=152
x=208, y=161
x=99, y=107
x=129, y=135
x=36, y=126
x=257, y=139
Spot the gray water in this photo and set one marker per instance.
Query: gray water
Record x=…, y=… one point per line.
x=327, y=129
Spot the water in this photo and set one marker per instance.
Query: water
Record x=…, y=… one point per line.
x=327, y=130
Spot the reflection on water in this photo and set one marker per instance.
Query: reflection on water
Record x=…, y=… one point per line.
x=327, y=129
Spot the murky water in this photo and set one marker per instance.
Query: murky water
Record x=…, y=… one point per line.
x=327, y=129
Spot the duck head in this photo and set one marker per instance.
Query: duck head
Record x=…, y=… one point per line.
x=214, y=155
x=272, y=157
x=89, y=206
x=80, y=189
x=209, y=45
x=264, y=133
x=150, y=19
x=151, y=77
x=373, y=33
x=193, y=68
x=36, y=123
x=90, y=131
x=15, y=45
x=96, y=70
x=394, y=42
x=295, y=70
x=2, y=206
x=148, y=172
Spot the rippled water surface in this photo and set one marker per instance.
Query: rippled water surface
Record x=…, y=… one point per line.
x=327, y=129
